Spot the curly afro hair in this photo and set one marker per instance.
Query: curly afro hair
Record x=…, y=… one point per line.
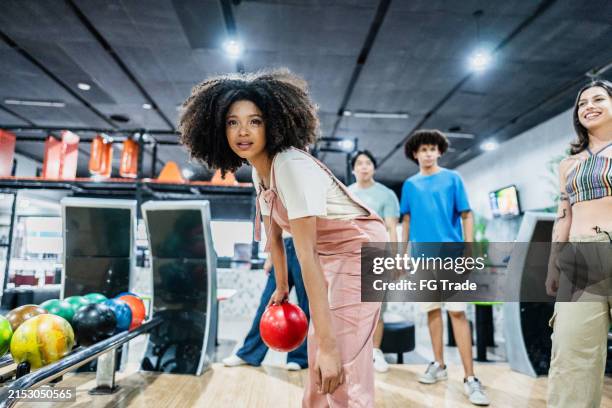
x=288, y=112
x=425, y=137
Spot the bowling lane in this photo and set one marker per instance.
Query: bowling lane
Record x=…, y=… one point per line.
x=269, y=386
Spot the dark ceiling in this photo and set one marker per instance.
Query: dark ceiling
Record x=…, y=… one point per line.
x=357, y=55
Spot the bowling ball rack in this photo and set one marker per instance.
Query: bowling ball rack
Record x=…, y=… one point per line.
x=104, y=351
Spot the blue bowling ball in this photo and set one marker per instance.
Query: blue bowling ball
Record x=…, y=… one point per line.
x=122, y=312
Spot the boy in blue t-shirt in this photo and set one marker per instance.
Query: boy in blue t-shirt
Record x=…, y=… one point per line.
x=434, y=206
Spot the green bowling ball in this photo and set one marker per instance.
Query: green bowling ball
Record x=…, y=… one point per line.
x=96, y=297
x=6, y=332
x=77, y=302
x=59, y=308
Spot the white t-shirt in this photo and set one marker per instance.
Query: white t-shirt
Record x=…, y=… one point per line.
x=305, y=189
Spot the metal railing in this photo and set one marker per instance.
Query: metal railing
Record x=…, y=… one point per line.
x=75, y=360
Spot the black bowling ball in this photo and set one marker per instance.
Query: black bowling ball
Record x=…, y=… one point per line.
x=93, y=323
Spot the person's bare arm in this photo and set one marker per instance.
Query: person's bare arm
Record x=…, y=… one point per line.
x=267, y=266
x=279, y=260
x=391, y=223
x=405, y=233
x=468, y=226
x=561, y=230
x=328, y=366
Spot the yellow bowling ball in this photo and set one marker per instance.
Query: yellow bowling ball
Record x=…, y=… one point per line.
x=42, y=340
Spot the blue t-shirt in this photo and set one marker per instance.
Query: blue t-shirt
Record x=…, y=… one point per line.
x=378, y=198
x=435, y=203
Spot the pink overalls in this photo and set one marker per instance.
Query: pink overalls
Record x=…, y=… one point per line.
x=339, y=249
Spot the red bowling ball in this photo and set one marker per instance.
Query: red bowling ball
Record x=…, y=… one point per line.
x=138, y=309
x=283, y=327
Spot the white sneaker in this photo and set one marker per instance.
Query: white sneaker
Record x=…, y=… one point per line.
x=433, y=374
x=380, y=364
x=293, y=366
x=473, y=390
x=233, y=361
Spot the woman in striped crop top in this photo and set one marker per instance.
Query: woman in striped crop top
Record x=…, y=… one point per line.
x=584, y=214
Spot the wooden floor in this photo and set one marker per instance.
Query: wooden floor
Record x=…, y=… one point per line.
x=275, y=387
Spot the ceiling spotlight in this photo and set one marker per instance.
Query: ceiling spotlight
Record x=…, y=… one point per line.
x=480, y=60
x=347, y=145
x=233, y=48
x=146, y=106
x=84, y=86
x=489, y=145
x=187, y=173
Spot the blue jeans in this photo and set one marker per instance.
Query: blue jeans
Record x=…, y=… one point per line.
x=254, y=349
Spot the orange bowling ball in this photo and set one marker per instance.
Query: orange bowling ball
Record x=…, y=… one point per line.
x=138, y=309
x=22, y=313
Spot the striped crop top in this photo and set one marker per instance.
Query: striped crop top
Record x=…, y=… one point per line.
x=591, y=178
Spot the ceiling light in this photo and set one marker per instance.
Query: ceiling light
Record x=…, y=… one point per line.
x=84, y=86
x=347, y=145
x=44, y=104
x=459, y=135
x=489, y=145
x=233, y=48
x=480, y=60
x=187, y=173
x=146, y=106
x=376, y=115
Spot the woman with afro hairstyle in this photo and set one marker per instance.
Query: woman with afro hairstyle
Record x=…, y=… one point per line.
x=268, y=120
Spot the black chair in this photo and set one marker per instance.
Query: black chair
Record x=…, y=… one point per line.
x=398, y=338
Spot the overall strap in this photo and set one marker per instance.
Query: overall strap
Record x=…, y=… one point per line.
x=258, y=219
x=600, y=150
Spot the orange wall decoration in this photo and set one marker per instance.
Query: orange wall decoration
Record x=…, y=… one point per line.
x=228, y=180
x=129, y=159
x=7, y=152
x=70, y=155
x=52, y=159
x=95, y=157
x=106, y=167
x=171, y=173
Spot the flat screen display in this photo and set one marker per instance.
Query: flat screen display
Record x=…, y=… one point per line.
x=98, y=232
x=176, y=234
x=505, y=202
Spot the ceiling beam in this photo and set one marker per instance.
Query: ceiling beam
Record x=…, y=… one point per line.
x=54, y=77
x=543, y=7
x=109, y=49
x=15, y=114
x=553, y=97
x=379, y=17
